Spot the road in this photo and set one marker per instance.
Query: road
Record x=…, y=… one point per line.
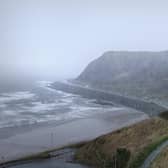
x=154, y=154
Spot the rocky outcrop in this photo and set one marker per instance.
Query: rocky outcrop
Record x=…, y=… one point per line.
x=130, y=73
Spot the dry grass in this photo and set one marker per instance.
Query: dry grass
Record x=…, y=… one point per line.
x=162, y=160
x=135, y=139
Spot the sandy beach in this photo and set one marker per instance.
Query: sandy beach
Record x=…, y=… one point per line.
x=18, y=142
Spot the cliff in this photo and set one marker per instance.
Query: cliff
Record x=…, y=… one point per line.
x=140, y=74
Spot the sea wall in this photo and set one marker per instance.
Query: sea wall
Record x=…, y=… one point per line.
x=150, y=108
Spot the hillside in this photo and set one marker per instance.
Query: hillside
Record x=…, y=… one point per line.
x=138, y=74
x=162, y=160
x=125, y=148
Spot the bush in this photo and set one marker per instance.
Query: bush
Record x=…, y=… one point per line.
x=119, y=160
x=164, y=115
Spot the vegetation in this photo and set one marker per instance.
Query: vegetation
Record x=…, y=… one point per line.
x=128, y=147
x=139, y=74
x=124, y=148
x=139, y=159
x=122, y=157
x=164, y=115
x=162, y=160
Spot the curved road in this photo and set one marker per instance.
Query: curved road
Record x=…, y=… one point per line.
x=154, y=154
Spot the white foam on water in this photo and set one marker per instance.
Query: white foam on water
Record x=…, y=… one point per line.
x=7, y=97
x=37, y=108
x=40, y=107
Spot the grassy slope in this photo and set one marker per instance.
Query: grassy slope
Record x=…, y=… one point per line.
x=139, y=139
x=162, y=160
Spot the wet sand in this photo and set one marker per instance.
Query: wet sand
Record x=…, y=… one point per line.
x=24, y=141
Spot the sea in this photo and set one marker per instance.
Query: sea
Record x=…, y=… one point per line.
x=40, y=104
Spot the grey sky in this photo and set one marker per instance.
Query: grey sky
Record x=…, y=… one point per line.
x=52, y=38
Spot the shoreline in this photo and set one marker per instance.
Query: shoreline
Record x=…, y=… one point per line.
x=52, y=136
x=149, y=108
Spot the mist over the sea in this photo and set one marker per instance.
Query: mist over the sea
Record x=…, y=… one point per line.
x=49, y=40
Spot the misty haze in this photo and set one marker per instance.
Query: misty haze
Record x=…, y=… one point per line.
x=83, y=84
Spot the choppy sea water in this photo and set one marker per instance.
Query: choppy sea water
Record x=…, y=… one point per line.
x=43, y=104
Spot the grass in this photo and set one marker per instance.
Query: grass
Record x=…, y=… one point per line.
x=140, y=158
x=124, y=148
x=139, y=140
x=162, y=160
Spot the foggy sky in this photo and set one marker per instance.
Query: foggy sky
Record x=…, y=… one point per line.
x=49, y=39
